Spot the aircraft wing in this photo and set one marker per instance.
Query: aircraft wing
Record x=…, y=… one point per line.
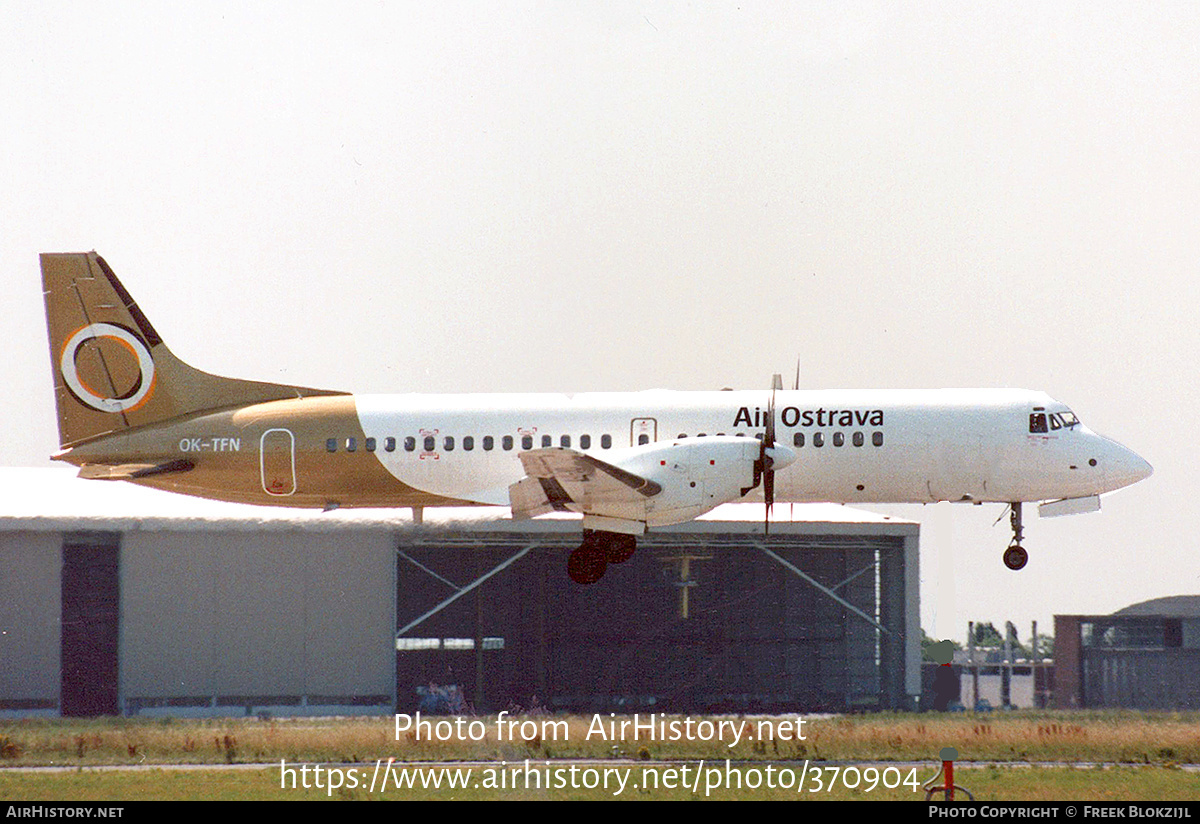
x=569, y=481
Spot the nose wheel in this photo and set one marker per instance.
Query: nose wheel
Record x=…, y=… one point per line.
x=1015, y=557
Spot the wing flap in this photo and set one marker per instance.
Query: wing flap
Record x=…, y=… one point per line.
x=565, y=480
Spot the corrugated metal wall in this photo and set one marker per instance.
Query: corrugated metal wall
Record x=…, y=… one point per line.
x=1142, y=679
x=757, y=637
x=30, y=621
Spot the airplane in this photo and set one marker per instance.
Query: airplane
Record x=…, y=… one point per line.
x=129, y=410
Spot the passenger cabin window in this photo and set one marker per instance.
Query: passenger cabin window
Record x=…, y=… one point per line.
x=468, y=442
x=585, y=441
x=1037, y=422
x=565, y=441
x=430, y=443
x=858, y=439
x=331, y=445
x=606, y=441
x=351, y=444
x=527, y=442
x=798, y=439
x=877, y=438
x=488, y=443
x=370, y=444
x=818, y=439
x=389, y=444
x=839, y=438
x=410, y=444
x=448, y=443
x=506, y=442
x=547, y=441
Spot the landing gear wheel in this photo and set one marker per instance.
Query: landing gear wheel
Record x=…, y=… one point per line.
x=619, y=548
x=586, y=565
x=1015, y=557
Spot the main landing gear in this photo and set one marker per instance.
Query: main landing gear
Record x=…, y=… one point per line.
x=1015, y=557
x=587, y=563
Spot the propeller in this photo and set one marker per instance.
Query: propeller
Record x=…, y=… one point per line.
x=766, y=457
x=771, y=457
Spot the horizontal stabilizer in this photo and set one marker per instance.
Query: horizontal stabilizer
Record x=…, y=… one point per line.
x=133, y=471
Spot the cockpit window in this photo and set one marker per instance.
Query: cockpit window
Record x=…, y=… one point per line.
x=1067, y=418
x=1041, y=421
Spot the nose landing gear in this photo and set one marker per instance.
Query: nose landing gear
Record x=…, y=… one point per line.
x=1015, y=557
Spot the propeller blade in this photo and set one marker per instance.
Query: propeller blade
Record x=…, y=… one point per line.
x=768, y=442
x=769, y=496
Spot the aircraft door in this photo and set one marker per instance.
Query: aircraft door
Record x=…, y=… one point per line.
x=277, y=461
x=956, y=467
x=643, y=431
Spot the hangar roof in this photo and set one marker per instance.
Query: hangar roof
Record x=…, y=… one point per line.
x=55, y=500
x=1172, y=606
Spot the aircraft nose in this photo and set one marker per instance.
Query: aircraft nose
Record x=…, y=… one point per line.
x=1123, y=466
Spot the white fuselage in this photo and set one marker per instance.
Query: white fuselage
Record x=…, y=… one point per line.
x=852, y=446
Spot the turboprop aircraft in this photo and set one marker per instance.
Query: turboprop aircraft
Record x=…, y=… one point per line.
x=130, y=410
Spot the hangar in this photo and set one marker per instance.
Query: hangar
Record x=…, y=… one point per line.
x=122, y=600
x=1145, y=656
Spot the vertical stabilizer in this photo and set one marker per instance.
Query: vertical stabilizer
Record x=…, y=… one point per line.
x=111, y=369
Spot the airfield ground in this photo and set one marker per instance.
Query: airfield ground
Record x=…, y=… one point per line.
x=1002, y=756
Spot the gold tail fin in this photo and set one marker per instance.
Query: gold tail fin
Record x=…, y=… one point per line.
x=112, y=371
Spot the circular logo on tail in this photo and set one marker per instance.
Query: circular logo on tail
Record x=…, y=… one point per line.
x=128, y=358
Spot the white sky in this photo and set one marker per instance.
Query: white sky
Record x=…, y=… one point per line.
x=482, y=197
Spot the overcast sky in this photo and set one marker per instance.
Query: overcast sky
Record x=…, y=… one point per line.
x=478, y=197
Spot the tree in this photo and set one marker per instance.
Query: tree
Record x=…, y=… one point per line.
x=986, y=635
x=1045, y=645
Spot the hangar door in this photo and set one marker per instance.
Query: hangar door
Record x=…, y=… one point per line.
x=91, y=608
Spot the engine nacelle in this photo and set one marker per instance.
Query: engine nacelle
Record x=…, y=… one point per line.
x=656, y=484
x=696, y=475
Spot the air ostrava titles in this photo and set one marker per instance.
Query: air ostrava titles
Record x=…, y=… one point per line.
x=792, y=416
